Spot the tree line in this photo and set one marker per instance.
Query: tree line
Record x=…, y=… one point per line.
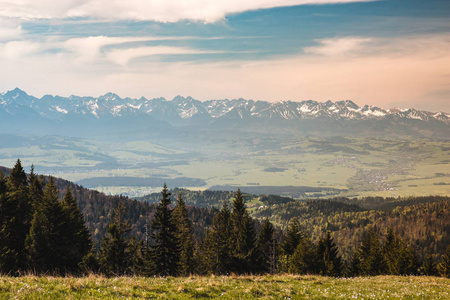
x=43, y=234
x=421, y=221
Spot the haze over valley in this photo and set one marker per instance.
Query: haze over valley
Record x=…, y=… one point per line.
x=299, y=149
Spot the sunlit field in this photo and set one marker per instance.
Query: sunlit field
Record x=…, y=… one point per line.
x=225, y=287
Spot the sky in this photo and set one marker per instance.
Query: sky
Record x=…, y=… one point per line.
x=387, y=53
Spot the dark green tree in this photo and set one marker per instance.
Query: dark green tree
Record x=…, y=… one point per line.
x=75, y=240
x=354, y=265
x=400, y=259
x=266, y=246
x=45, y=243
x=444, y=265
x=35, y=192
x=165, y=249
x=15, y=219
x=369, y=258
x=243, y=237
x=3, y=181
x=304, y=259
x=392, y=251
x=292, y=237
x=216, y=250
x=185, y=237
x=329, y=261
x=115, y=252
x=17, y=179
x=429, y=266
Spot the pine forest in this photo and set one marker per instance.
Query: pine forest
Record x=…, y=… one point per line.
x=50, y=226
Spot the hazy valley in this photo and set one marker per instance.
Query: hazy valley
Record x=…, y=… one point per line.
x=300, y=149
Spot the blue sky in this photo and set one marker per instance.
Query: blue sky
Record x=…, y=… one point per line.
x=389, y=53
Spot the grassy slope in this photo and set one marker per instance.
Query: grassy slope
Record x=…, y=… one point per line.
x=248, y=287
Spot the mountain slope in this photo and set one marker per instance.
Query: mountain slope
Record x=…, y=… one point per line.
x=110, y=113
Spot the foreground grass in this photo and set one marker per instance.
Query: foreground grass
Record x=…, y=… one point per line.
x=242, y=287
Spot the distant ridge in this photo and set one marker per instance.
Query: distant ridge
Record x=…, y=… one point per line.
x=306, y=117
x=111, y=105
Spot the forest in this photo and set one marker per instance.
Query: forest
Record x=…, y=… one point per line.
x=49, y=226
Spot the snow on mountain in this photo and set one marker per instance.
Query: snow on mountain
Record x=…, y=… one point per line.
x=61, y=110
x=181, y=108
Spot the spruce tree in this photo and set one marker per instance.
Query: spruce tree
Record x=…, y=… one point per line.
x=243, y=236
x=392, y=252
x=354, y=266
x=292, y=237
x=185, y=237
x=76, y=240
x=400, y=259
x=216, y=247
x=17, y=178
x=294, y=234
x=444, y=265
x=304, y=259
x=266, y=246
x=166, y=247
x=3, y=181
x=35, y=192
x=45, y=242
x=429, y=266
x=15, y=219
x=329, y=261
x=114, y=255
x=371, y=256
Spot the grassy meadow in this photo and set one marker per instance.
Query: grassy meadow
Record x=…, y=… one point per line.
x=225, y=287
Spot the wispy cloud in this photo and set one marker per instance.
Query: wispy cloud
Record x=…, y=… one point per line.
x=123, y=56
x=88, y=48
x=154, y=10
x=9, y=29
x=18, y=49
x=337, y=46
x=399, y=72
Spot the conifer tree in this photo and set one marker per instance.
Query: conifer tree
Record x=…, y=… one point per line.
x=409, y=263
x=185, y=237
x=45, y=242
x=429, y=266
x=76, y=240
x=292, y=237
x=329, y=261
x=3, y=181
x=354, y=265
x=304, y=259
x=216, y=247
x=166, y=247
x=444, y=265
x=266, y=246
x=114, y=255
x=243, y=236
x=392, y=252
x=369, y=258
x=15, y=219
x=400, y=260
x=35, y=192
x=17, y=178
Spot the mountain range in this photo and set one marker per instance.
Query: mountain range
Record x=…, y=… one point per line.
x=56, y=115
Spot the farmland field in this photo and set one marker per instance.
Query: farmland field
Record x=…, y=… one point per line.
x=351, y=166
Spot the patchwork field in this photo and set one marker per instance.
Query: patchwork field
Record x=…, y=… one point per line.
x=214, y=287
x=354, y=166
